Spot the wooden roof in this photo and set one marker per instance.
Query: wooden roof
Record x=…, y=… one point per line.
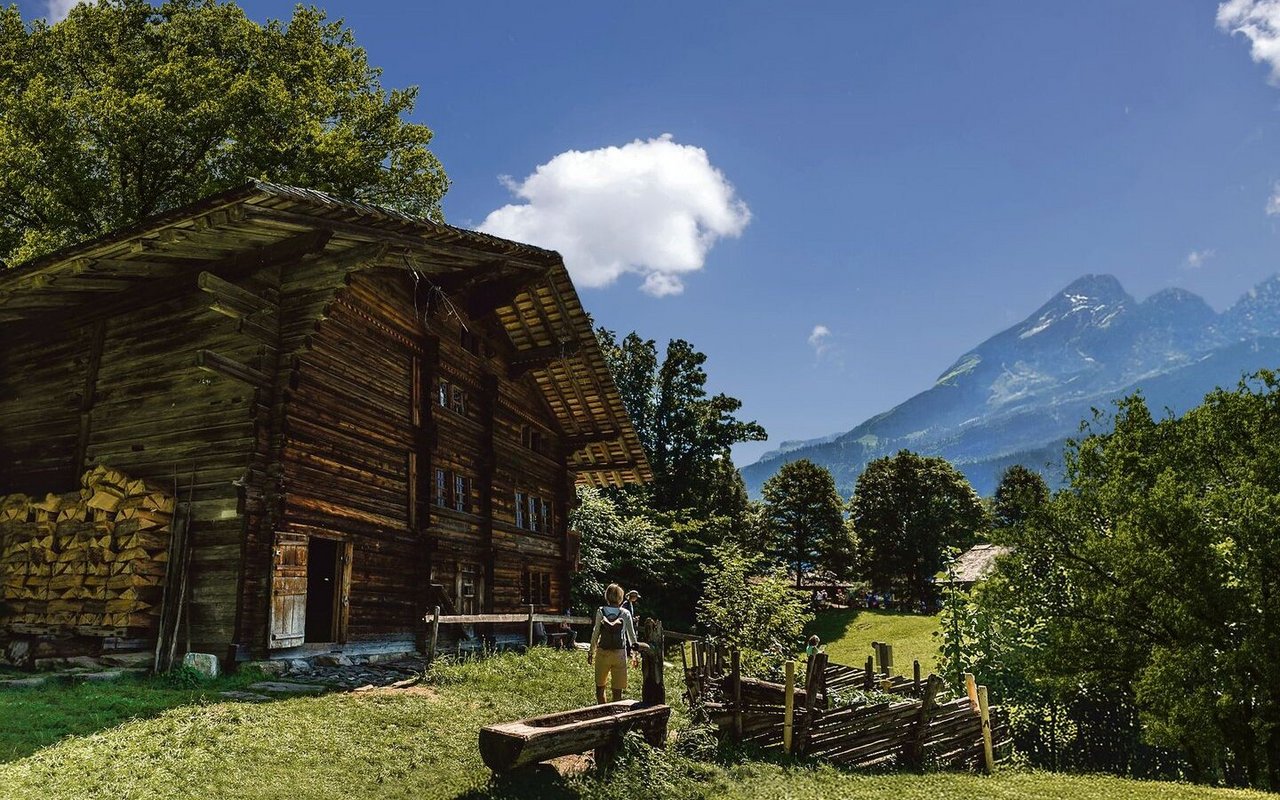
x=975, y=563
x=550, y=333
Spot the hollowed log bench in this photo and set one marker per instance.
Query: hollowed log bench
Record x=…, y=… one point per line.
x=528, y=741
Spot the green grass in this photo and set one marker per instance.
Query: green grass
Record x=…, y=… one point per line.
x=36, y=717
x=847, y=635
x=422, y=744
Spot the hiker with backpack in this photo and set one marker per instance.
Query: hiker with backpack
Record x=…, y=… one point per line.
x=612, y=637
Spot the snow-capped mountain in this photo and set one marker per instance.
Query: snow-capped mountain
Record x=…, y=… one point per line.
x=1018, y=395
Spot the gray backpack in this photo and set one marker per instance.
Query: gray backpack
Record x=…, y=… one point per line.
x=611, y=636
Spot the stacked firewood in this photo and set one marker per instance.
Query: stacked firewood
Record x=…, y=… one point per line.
x=87, y=560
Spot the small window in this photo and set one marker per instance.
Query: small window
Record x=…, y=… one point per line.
x=442, y=395
x=531, y=438
x=442, y=489
x=461, y=495
x=537, y=588
x=546, y=516
x=520, y=501
x=459, y=400
x=535, y=503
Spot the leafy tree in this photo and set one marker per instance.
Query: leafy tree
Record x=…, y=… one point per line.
x=615, y=547
x=750, y=607
x=1019, y=493
x=805, y=518
x=1154, y=580
x=686, y=433
x=125, y=109
x=907, y=509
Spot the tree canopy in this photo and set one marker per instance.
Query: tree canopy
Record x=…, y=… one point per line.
x=1155, y=579
x=805, y=519
x=125, y=109
x=1018, y=495
x=907, y=509
x=686, y=433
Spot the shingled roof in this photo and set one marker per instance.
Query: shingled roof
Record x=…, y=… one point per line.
x=546, y=315
x=975, y=563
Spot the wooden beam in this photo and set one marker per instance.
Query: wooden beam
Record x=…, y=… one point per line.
x=537, y=357
x=574, y=443
x=228, y=367
x=487, y=297
x=241, y=302
x=232, y=266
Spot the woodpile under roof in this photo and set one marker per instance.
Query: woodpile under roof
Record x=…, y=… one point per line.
x=549, y=333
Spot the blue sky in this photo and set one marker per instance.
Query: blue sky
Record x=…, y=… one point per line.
x=912, y=177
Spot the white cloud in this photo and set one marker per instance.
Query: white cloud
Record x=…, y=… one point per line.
x=57, y=10
x=653, y=208
x=1259, y=22
x=1273, y=203
x=1197, y=258
x=820, y=340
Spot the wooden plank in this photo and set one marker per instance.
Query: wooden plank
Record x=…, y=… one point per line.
x=789, y=706
x=210, y=361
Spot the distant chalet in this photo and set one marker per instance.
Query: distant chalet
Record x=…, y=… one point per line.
x=974, y=564
x=379, y=414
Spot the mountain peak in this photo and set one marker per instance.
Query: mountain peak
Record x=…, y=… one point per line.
x=1099, y=287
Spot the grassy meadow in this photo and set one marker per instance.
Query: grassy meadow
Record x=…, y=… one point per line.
x=847, y=635
x=149, y=739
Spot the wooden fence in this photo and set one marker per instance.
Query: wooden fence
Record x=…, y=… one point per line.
x=923, y=728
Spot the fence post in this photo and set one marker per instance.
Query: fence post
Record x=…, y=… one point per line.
x=877, y=648
x=531, y=626
x=812, y=684
x=920, y=729
x=988, y=757
x=789, y=706
x=915, y=676
x=888, y=660
x=435, y=634
x=736, y=659
x=868, y=677
x=971, y=689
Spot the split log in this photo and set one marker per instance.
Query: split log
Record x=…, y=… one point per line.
x=529, y=741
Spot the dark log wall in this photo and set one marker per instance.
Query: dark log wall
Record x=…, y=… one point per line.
x=364, y=431
x=348, y=438
x=488, y=442
x=42, y=377
x=122, y=386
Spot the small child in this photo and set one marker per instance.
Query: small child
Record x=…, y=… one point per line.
x=812, y=649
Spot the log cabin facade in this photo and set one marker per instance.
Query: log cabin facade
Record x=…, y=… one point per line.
x=367, y=414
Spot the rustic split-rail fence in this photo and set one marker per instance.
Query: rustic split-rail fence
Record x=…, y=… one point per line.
x=915, y=725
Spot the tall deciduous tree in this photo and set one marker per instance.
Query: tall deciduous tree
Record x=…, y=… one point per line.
x=686, y=433
x=907, y=509
x=1018, y=495
x=125, y=109
x=805, y=519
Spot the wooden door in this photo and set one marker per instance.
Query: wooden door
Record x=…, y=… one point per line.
x=288, y=592
x=343, y=615
x=470, y=589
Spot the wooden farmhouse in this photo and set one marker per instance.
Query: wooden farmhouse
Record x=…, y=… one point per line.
x=359, y=415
